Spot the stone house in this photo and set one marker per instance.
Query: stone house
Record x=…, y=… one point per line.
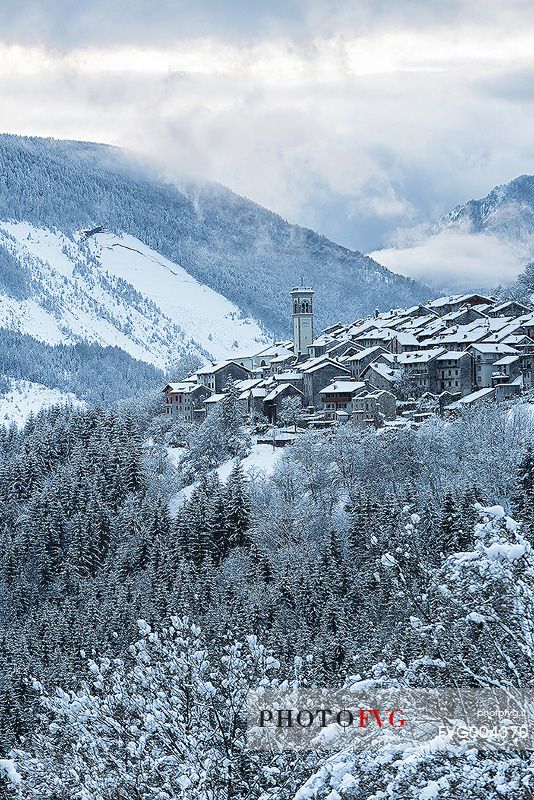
x=512, y=308
x=264, y=357
x=213, y=402
x=485, y=356
x=506, y=391
x=403, y=343
x=320, y=345
x=316, y=375
x=373, y=408
x=359, y=361
x=527, y=325
x=419, y=371
x=506, y=369
x=339, y=395
x=376, y=337
x=480, y=397
x=344, y=348
x=527, y=369
x=272, y=402
x=252, y=399
x=280, y=362
x=249, y=391
x=292, y=376
x=455, y=372
x=216, y=376
x=382, y=375
x=520, y=342
x=184, y=400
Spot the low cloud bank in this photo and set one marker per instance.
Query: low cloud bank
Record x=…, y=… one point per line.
x=455, y=260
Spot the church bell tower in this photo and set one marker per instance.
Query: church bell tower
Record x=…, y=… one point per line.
x=302, y=298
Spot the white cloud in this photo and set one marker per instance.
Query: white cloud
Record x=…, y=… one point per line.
x=458, y=260
x=353, y=121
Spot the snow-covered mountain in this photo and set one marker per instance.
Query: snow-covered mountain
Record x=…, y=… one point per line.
x=244, y=252
x=507, y=212
x=479, y=244
x=115, y=290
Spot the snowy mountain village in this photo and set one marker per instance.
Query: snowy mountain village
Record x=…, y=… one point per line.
x=391, y=369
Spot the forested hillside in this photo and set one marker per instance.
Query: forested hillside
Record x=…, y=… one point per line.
x=236, y=247
x=379, y=556
x=96, y=374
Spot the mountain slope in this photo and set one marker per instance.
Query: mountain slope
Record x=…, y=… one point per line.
x=507, y=211
x=114, y=290
x=248, y=254
x=478, y=244
x=23, y=398
x=94, y=374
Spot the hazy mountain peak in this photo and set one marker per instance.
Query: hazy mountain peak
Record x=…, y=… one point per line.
x=507, y=210
x=477, y=245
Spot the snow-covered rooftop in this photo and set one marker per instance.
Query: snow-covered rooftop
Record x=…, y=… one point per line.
x=505, y=361
x=483, y=347
x=343, y=387
x=184, y=387
x=321, y=362
x=385, y=370
x=215, y=367
x=419, y=356
x=291, y=375
x=474, y=397
x=215, y=398
x=452, y=355
x=368, y=351
x=278, y=390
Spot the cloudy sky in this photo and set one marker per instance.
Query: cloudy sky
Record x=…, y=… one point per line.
x=354, y=118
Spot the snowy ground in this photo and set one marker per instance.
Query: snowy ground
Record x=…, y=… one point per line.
x=203, y=314
x=80, y=292
x=261, y=460
x=26, y=397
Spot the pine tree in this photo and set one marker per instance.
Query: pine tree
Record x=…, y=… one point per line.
x=79, y=551
x=238, y=514
x=523, y=498
x=468, y=518
x=217, y=518
x=232, y=417
x=447, y=541
x=362, y=556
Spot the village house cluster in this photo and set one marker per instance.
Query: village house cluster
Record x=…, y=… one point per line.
x=383, y=370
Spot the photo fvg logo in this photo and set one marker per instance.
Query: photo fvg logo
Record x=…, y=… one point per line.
x=323, y=717
x=326, y=718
